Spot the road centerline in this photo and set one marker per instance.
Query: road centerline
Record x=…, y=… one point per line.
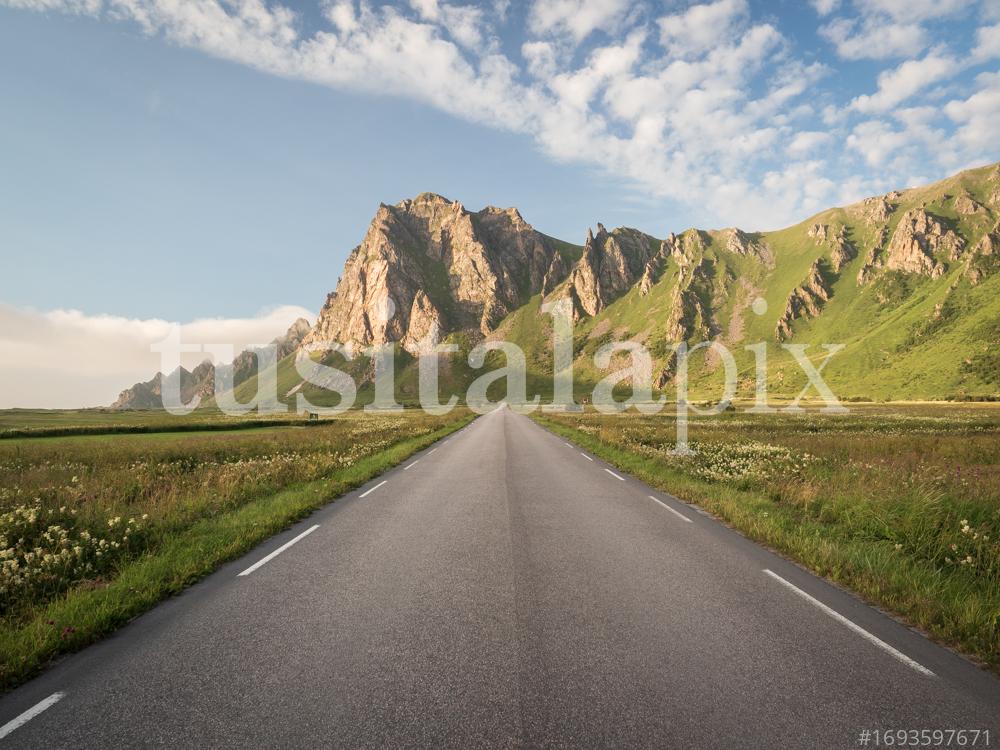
x=31, y=713
x=871, y=638
x=368, y=492
x=282, y=548
x=672, y=510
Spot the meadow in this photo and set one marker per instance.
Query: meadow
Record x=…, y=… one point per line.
x=96, y=528
x=900, y=503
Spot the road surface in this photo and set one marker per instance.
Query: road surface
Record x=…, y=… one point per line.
x=504, y=589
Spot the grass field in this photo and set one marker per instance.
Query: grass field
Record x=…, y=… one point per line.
x=900, y=503
x=94, y=529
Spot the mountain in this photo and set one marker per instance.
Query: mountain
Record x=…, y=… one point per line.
x=201, y=380
x=428, y=265
x=905, y=281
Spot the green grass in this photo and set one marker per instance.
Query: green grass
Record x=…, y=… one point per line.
x=189, y=502
x=874, y=500
x=895, y=345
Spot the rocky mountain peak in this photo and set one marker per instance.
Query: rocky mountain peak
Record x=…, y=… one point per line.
x=428, y=265
x=611, y=263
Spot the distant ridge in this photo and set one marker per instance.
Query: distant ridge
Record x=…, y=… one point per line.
x=906, y=281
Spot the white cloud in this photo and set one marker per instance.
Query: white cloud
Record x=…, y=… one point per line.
x=913, y=10
x=701, y=27
x=806, y=141
x=66, y=359
x=884, y=29
x=724, y=117
x=80, y=7
x=987, y=43
x=463, y=23
x=903, y=150
x=898, y=85
x=876, y=141
x=575, y=18
x=874, y=38
x=825, y=7
x=976, y=121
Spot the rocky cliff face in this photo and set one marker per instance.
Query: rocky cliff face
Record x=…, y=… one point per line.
x=918, y=237
x=835, y=238
x=806, y=300
x=201, y=380
x=612, y=262
x=428, y=266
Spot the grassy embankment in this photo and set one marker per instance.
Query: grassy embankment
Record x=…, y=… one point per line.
x=96, y=529
x=900, y=504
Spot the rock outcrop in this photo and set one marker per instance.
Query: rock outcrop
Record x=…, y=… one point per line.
x=918, y=236
x=687, y=248
x=876, y=211
x=806, y=300
x=741, y=243
x=654, y=269
x=428, y=264
x=611, y=263
x=984, y=259
x=841, y=249
x=966, y=205
x=558, y=270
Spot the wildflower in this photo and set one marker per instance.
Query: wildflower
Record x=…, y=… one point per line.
x=899, y=546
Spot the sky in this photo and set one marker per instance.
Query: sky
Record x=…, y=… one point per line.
x=212, y=162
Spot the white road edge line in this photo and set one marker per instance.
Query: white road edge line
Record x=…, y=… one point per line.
x=411, y=465
x=431, y=451
x=567, y=444
x=368, y=492
x=586, y=456
x=675, y=512
x=30, y=714
x=856, y=628
x=622, y=479
x=278, y=551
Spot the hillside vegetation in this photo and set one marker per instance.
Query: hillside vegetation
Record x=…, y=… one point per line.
x=906, y=283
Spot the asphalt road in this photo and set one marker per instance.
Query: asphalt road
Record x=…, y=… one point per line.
x=503, y=589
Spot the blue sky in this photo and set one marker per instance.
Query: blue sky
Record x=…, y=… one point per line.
x=213, y=159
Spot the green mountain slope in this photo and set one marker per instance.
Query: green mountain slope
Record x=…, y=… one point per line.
x=905, y=282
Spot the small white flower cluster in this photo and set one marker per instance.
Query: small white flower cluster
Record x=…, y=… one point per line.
x=42, y=552
x=722, y=462
x=974, y=549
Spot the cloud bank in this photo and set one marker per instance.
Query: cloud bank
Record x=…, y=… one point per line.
x=702, y=104
x=66, y=359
